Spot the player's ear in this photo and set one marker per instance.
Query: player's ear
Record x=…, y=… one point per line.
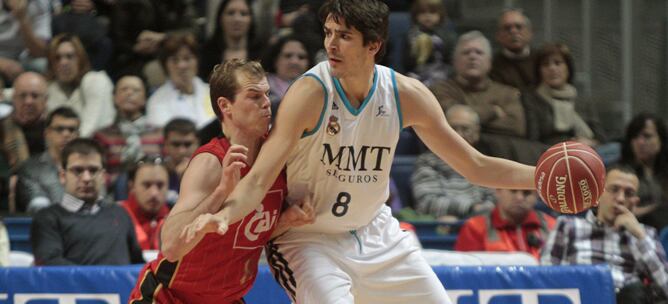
x=224, y=104
x=374, y=46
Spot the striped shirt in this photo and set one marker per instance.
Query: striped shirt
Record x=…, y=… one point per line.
x=439, y=190
x=588, y=241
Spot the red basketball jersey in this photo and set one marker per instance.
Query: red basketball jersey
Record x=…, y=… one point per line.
x=221, y=268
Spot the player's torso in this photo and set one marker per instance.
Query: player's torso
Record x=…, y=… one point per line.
x=226, y=265
x=345, y=161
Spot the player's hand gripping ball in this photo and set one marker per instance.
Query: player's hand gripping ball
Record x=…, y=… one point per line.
x=570, y=177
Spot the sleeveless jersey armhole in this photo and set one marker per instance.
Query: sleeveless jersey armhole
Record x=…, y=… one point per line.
x=396, y=99
x=324, y=106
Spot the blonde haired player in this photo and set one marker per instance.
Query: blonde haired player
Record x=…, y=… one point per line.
x=336, y=129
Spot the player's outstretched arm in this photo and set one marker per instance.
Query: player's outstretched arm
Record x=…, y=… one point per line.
x=298, y=112
x=204, y=186
x=422, y=112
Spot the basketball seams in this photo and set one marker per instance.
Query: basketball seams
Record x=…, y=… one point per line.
x=570, y=178
x=547, y=189
x=583, y=164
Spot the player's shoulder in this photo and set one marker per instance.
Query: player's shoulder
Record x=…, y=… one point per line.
x=407, y=84
x=309, y=85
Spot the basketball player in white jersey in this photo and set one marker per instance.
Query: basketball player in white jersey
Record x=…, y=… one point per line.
x=336, y=129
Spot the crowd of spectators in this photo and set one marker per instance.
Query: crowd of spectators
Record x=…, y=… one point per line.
x=126, y=83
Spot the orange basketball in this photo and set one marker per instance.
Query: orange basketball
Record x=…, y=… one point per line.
x=570, y=177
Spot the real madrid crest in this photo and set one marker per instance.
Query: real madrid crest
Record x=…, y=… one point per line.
x=333, y=126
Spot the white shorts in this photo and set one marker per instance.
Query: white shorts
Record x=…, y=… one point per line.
x=378, y=263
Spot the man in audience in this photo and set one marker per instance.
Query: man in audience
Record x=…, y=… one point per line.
x=611, y=234
x=499, y=106
x=147, y=203
x=29, y=116
x=25, y=28
x=81, y=229
x=130, y=137
x=513, y=225
x=180, y=143
x=438, y=189
x=38, y=183
x=514, y=63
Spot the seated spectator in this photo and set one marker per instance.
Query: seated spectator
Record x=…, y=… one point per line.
x=514, y=63
x=75, y=85
x=555, y=98
x=645, y=149
x=130, y=137
x=25, y=28
x=499, y=106
x=284, y=61
x=38, y=184
x=184, y=95
x=137, y=29
x=610, y=234
x=79, y=18
x=233, y=37
x=430, y=42
x=147, y=202
x=513, y=225
x=180, y=143
x=28, y=118
x=81, y=229
x=438, y=189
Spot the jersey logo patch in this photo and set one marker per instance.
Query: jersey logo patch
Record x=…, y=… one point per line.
x=333, y=126
x=334, y=106
x=252, y=232
x=381, y=111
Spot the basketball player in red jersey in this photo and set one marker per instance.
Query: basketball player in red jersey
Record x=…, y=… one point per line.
x=221, y=268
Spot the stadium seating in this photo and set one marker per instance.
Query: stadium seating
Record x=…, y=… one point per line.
x=663, y=237
x=402, y=168
x=437, y=235
x=18, y=229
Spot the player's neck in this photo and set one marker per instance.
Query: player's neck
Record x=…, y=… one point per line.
x=357, y=86
x=249, y=140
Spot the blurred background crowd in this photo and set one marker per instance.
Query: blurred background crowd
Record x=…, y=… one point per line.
x=512, y=78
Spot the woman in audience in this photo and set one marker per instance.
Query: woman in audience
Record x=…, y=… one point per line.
x=233, y=37
x=643, y=148
x=184, y=95
x=556, y=97
x=284, y=61
x=73, y=84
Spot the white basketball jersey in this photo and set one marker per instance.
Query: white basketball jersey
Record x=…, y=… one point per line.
x=345, y=161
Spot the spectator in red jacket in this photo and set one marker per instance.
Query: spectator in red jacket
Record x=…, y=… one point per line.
x=147, y=203
x=513, y=225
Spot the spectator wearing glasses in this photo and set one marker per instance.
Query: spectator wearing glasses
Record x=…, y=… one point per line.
x=514, y=63
x=147, y=202
x=180, y=143
x=81, y=229
x=611, y=234
x=438, y=189
x=38, y=184
x=513, y=225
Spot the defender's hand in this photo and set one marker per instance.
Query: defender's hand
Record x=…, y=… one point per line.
x=206, y=223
